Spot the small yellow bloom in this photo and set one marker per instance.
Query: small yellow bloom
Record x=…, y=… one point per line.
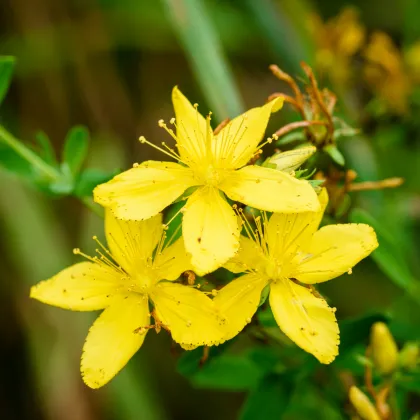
x=364, y=407
x=124, y=286
x=289, y=254
x=384, y=349
x=215, y=165
x=337, y=41
x=385, y=72
x=292, y=159
x=409, y=356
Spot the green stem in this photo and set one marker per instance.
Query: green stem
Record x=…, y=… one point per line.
x=28, y=155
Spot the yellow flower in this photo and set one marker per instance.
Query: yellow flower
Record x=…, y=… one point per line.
x=289, y=254
x=215, y=165
x=123, y=286
x=337, y=41
x=386, y=74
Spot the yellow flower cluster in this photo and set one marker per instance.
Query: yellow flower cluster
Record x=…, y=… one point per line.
x=134, y=279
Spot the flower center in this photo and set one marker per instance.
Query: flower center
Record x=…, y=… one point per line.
x=273, y=269
x=212, y=176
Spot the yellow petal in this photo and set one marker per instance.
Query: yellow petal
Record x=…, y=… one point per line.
x=287, y=233
x=210, y=230
x=145, y=190
x=113, y=339
x=84, y=286
x=333, y=251
x=238, y=301
x=173, y=261
x=235, y=145
x=271, y=190
x=305, y=319
x=132, y=242
x=190, y=315
x=292, y=159
x=191, y=129
x=248, y=257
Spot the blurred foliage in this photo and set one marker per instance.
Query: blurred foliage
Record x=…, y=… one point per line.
x=94, y=76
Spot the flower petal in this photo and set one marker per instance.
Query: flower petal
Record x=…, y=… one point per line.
x=132, y=242
x=210, y=230
x=334, y=250
x=145, y=190
x=113, y=339
x=84, y=286
x=305, y=319
x=292, y=159
x=249, y=257
x=173, y=261
x=191, y=129
x=235, y=145
x=190, y=315
x=286, y=233
x=271, y=190
x=238, y=301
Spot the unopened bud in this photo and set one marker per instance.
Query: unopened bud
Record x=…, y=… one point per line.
x=364, y=407
x=409, y=355
x=384, y=349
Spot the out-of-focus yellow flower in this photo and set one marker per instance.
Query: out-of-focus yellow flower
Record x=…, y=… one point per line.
x=216, y=165
x=410, y=355
x=384, y=349
x=412, y=60
x=289, y=253
x=364, y=407
x=385, y=72
x=123, y=281
x=337, y=41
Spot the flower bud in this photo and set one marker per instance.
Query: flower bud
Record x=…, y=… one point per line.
x=384, y=349
x=364, y=407
x=409, y=355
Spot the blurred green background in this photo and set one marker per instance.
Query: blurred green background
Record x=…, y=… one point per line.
x=110, y=66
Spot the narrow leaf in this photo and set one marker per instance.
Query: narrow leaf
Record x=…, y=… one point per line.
x=76, y=148
x=7, y=65
x=194, y=28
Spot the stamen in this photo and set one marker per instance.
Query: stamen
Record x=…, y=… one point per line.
x=142, y=139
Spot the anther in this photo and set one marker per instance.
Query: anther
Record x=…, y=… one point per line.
x=135, y=165
x=161, y=123
x=76, y=251
x=142, y=139
x=172, y=120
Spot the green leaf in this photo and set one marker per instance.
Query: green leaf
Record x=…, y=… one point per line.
x=227, y=370
x=7, y=65
x=335, y=154
x=89, y=179
x=230, y=372
x=409, y=382
x=269, y=400
x=46, y=151
x=264, y=294
x=64, y=185
x=173, y=216
x=76, y=148
x=387, y=256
